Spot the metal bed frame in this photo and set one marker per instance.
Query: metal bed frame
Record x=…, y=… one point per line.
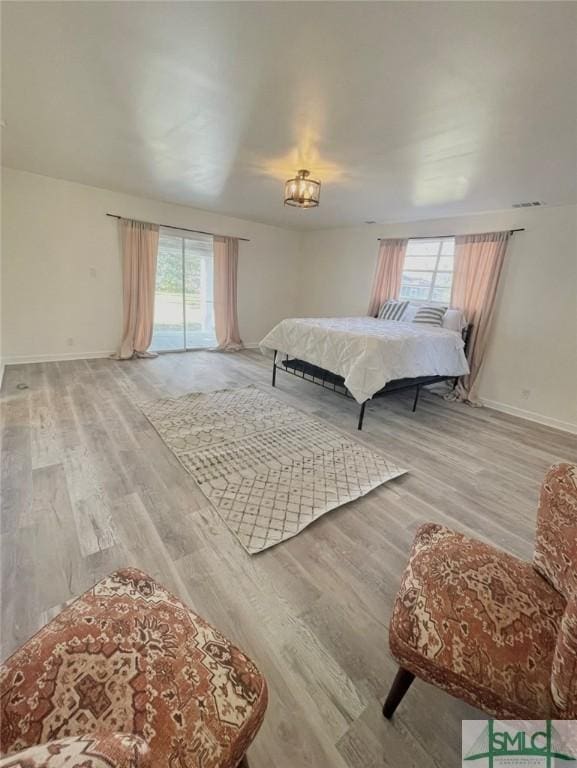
x=331, y=381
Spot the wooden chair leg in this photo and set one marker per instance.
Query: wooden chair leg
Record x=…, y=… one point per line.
x=400, y=686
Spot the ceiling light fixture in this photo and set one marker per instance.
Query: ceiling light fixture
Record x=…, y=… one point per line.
x=301, y=191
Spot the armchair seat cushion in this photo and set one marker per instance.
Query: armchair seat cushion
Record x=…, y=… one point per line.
x=479, y=623
x=129, y=657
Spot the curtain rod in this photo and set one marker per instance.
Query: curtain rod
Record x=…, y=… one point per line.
x=182, y=229
x=440, y=237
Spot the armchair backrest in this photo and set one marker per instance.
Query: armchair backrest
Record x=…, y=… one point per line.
x=556, y=545
x=556, y=559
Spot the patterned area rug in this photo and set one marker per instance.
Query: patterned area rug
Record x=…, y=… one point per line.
x=269, y=469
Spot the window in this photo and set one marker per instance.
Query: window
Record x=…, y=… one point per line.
x=183, y=302
x=428, y=270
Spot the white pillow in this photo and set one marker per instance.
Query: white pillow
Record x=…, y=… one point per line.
x=454, y=320
x=410, y=312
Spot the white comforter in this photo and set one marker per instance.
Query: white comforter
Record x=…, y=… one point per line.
x=368, y=352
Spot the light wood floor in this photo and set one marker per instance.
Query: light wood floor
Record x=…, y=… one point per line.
x=88, y=486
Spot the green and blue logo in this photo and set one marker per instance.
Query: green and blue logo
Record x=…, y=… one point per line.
x=541, y=744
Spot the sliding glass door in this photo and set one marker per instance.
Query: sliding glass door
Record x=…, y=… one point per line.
x=183, y=306
x=168, y=332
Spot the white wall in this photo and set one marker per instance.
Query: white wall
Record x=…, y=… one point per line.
x=531, y=366
x=62, y=286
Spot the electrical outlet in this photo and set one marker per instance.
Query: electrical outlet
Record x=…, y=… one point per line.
x=92, y=271
x=525, y=394
x=70, y=341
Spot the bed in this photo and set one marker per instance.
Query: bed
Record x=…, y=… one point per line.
x=366, y=357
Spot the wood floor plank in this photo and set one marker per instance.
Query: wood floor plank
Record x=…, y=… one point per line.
x=88, y=486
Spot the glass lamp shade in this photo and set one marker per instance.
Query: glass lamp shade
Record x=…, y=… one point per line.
x=302, y=192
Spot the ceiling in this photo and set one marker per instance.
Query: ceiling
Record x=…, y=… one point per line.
x=404, y=110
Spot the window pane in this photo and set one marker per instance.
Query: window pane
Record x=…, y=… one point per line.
x=198, y=264
x=414, y=293
x=420, y=262
x=416, y=285
x=441, y=294
x=168, y=307
x=443, y=280
x=420, y=280
x=417, y=278
x=422, y=248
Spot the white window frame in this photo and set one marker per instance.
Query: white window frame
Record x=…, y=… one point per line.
x=435, y=271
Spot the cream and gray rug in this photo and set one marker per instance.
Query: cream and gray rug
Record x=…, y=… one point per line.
x=269, y=469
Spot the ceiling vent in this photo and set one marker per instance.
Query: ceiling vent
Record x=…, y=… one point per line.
x=530, y=204
x=370, y=221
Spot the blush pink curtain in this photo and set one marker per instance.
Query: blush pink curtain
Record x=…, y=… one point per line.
x=478, y=264
x=387, y=279
x=225, y=291
x=139, y=243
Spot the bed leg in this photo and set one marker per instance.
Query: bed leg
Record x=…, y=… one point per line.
x=274, y=369
x=416, y=400
x=361, y=416
x=455, y=382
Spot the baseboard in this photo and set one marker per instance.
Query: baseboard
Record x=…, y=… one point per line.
x=63, y=356
x=54, y=358
x=565, y=426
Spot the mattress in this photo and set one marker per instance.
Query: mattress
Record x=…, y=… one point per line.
x=368, y=352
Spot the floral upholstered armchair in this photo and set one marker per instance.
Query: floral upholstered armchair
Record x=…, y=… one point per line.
x=488, y=628
x=129, y=677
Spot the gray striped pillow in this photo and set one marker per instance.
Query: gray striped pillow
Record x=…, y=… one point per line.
x=393, y=310
x=430, y=315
